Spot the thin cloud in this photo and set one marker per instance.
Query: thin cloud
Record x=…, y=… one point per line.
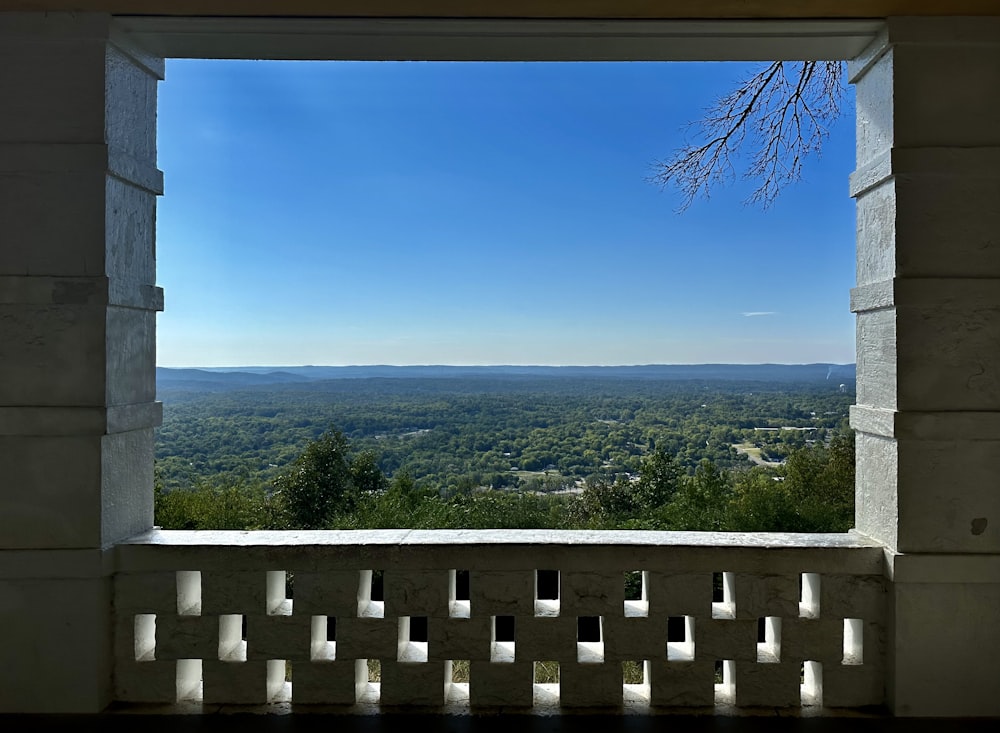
x=754, y=314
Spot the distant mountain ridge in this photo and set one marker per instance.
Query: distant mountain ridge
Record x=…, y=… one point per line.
x=225, y=378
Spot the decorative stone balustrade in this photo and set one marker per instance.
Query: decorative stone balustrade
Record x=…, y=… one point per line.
x=464, y=618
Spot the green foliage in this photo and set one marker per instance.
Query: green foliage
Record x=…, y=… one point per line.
x=456, y=473
x=460, y=434
x=659, y=480
x=702, y=501
x=421, y=509
x=606, y=504
x=235, y=506
x=325, y=480
x=366, y=475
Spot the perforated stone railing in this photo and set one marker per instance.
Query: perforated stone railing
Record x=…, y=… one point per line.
x=500, y=618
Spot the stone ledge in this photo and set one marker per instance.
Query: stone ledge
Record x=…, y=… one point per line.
x=920, y=568
x=321, y=550
x=55, y=564
x=56, y=421
x=923, y=292
x=957, y=425
x=433, y=537
x=58, y=158
x=77, y=291
x=934, y=162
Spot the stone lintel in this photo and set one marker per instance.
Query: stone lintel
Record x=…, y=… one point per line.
x=958, y=425
x=451, y=37
x=68, y=421
x=927, y=292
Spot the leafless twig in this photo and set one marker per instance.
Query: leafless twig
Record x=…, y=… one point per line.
x=781, y=114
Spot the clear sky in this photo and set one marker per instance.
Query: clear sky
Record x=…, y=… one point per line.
x=480, y=213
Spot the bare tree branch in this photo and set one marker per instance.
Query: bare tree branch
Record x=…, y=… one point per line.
x=780, y=115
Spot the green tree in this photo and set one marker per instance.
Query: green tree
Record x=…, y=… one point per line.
x=366, y=474
x=659, y=480
x=820, y=480
x=702, y=500
x=319, y=483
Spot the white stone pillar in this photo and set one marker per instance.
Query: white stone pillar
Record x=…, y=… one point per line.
x=928, y=352
x=78, y=187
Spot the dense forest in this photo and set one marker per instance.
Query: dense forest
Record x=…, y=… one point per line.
x=506, y=450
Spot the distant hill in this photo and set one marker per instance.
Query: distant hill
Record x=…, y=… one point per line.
x=217, y=379
x=207, y=380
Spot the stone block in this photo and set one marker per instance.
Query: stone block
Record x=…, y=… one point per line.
x=53, y=355
x=548, y=638
x=54, y=223
x=853, y=686
x=324, y=683
x=330, y=593
x=946, y=645
x=126, y=484
x=947, y=357
x=682, y=684
x=145, y=682
x=680, y=594
x=874, y=115
x=876, y=234
x=130, y=239
x=413, y=684
x=279, y=637
x=235, y=683
x=591, y=593
x=52, y=492
x=877, y=359
x=766, y=595
x=131, y=359
x=853, y=596
x=875, y=493
x=946, y=225
x=131, y=105
x=501, y=685
x=56, y=637
x=635, y=638
x=819, y=640
x=720, y=639
x=53, y=87
x=234, y=592
x=768, y=685
x=948, y=500
x=186, y=637
x=502, y=593
x=367, y=638
x=938, y=102
x=459, y=638
x=590, y=685
x=416, y=593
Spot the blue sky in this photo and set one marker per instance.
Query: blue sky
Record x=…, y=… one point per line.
x=458, y=213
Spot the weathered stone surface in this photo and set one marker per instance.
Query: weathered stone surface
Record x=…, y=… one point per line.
x=329, y=683
x=591, y=670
